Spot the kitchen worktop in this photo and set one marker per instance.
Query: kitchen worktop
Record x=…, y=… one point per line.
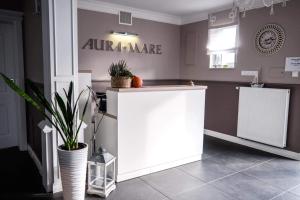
x=159, y=88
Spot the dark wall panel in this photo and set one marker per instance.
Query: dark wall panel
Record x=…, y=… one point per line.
x=33, y=117
x=221, y=107
x=15, y=5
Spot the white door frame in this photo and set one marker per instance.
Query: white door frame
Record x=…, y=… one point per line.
x=60, y=60
x=15, y=18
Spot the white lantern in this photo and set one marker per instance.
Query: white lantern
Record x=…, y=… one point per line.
x=101, y=174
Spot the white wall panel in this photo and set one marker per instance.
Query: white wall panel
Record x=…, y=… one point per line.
x=63, y=38
x=60, y=51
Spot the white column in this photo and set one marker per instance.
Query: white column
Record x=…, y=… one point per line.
x=59, y=18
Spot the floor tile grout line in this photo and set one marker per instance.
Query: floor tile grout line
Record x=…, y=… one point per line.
x=203, y=185
x=190, y=189
x=298, y=195
x=224, y=192
x=287, y=191
x=243, y=159
x=282, y=189
x=154, y=188
x=182, y=170
x=251, y=161
x=185, y=172
x=210, y=182
x=264, y=182
x=187, y=190
x=207, y=183
x=231, y=174
x=236, y=172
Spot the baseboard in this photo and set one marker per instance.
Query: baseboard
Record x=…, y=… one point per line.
x=255, y=145
x=149, y=170
x=35, y=159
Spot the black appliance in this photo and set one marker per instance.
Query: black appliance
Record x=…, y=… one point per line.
x=102, y=102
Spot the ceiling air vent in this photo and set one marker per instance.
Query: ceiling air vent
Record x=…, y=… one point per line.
x=125, y=18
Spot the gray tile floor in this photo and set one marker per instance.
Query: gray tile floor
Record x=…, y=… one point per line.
x=227, y=172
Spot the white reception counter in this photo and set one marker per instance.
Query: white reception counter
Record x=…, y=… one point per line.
x=153, y=128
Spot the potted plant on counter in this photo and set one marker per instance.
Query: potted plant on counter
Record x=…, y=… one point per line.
x=120, y=75
x=64, y=118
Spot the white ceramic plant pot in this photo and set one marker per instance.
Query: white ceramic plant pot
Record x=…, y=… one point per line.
x=73, y=166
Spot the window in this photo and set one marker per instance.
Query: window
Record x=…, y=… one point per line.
x=222, y=46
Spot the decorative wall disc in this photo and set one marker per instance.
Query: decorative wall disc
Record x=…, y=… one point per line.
x=269, y=39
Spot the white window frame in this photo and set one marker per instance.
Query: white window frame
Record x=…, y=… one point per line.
x=213, y=66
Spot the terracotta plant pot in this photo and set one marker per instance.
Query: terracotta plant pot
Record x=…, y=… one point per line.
x=73, y=166
x=121, y=82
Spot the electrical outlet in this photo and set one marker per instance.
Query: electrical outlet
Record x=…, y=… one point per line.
x=249, y=73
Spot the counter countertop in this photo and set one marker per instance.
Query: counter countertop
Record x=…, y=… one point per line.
x=159, y=88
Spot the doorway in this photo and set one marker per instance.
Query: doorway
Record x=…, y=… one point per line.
x=12, y=107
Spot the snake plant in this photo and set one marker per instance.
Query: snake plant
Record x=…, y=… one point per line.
x=119, y=69
x=64, y=112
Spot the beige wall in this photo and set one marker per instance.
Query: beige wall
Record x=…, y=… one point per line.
x=149, y=66
x=272, y=67
x=174, y=39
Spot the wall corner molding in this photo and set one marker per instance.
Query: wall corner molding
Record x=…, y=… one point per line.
x=100, y=6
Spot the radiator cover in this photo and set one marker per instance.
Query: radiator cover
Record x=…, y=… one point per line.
x=263, y=115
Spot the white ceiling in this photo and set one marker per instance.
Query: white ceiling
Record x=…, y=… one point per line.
x=168, y=11
x=175, y=7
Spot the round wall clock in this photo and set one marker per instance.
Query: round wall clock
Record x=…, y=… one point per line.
x=269, y=39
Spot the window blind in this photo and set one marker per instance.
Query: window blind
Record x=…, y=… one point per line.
x=222, y=39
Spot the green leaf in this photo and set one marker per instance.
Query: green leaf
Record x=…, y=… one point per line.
x=83, y=113
x=69, y=109
x=70, y=92
x=76, y=103
x=50, y=108
x=66, y=120
x=62, y=113
x=40, y=97
x=20, y=92
x=62, y=106
x=28, y=98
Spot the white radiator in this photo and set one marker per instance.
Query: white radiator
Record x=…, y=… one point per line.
x=263, y=115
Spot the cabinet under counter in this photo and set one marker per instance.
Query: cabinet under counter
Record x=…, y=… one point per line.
x=153, y=128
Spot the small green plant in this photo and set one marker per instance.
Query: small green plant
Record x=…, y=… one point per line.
x=119, y=69
x=63, y=110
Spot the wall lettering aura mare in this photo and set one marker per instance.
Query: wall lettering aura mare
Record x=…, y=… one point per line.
x=108, y=45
